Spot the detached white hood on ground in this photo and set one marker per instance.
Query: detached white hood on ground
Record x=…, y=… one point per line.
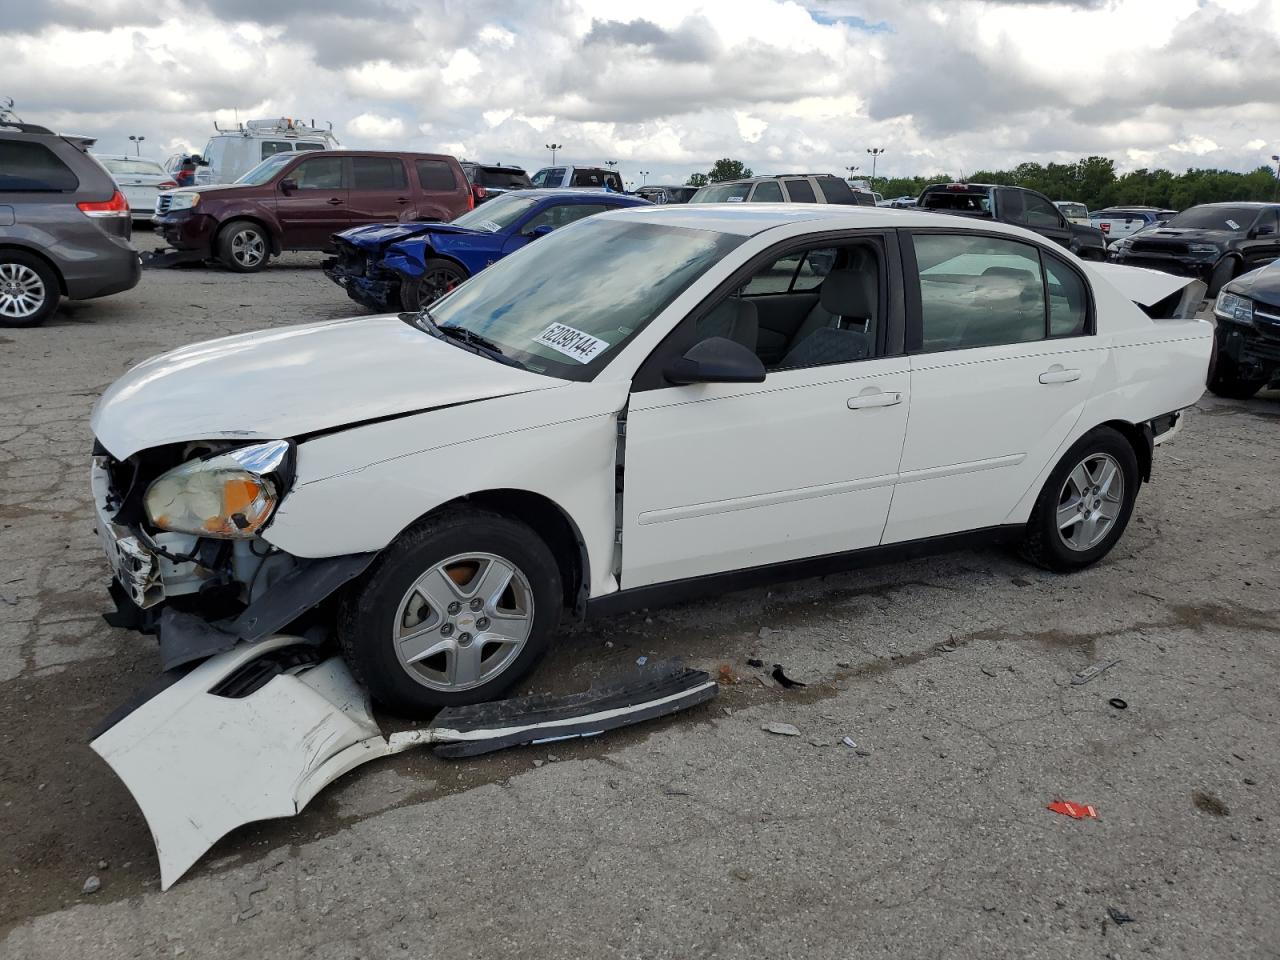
x=277, y=384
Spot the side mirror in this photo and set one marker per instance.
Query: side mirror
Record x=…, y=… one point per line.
x=541, y=231
x=199, y=161
x=716, y=360
x=1263, y=231
x=288, y=185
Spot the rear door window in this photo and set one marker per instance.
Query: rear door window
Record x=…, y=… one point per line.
x=307, y=145
x=978, y=291
x=800, y=191
x=377, y=173
x=836, y=190
x=1039, y=212
x=271, y=147
x=436, y=175
x=28, y=167
x=550, y=177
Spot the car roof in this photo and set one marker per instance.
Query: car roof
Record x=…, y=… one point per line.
x=124, y=156
x=1252, y=204
x=750, y=219
x=573, y=193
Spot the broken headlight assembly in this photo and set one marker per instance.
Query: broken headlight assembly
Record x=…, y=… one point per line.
x=229, y=495
x=1231, y=306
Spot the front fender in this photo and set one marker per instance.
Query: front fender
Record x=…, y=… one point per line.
x=409, y=258
x=224, y=212
x=367, y=484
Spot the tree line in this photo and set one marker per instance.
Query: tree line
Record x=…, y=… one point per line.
x=1090, y=180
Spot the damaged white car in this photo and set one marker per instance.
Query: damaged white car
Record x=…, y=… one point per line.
x=643, y=406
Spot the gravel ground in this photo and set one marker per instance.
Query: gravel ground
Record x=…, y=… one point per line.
x=699, y=835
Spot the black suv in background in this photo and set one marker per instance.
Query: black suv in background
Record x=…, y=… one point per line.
x=1213, y=242
x=64, y=225
x=493, y=179
x=1017, y=206
x=1247, y=315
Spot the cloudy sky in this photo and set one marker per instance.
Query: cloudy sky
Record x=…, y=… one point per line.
x=668, y=87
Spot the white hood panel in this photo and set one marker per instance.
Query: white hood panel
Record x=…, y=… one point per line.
x=277, y=384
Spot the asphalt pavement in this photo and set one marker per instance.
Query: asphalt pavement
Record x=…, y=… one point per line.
x=700, y=835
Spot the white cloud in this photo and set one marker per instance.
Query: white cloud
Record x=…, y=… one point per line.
x=673, y=85
x=371, y=126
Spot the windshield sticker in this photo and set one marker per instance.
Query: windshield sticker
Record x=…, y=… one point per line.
x=572, y=343
x=734, y=199
x=489, y=226
x=1233, y=225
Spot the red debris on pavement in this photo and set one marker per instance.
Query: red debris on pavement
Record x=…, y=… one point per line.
x=1077, y=811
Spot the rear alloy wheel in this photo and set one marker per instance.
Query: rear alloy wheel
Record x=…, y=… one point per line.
x=1085, y=504
x=456, y=611
x=243, y=247
x=28, y=290
x=439, y=277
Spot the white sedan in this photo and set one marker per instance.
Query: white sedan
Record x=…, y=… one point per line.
x=647, y=405
x=139, y=179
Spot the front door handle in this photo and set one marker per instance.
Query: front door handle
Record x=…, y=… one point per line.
x=1059, y=374
x=334, y=201
x=877, y=399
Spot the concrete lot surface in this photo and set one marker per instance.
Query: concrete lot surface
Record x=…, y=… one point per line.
x=700, y=835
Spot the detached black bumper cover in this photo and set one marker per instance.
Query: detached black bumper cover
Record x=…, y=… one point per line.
x=185, y=637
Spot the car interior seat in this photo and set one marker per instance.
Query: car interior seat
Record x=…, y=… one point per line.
x=839, y=328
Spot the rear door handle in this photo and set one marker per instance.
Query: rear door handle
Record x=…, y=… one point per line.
x=877, y=399
x=334, y=201
x=1058, y=374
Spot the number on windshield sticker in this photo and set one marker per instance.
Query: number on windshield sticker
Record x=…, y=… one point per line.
x=572, y=343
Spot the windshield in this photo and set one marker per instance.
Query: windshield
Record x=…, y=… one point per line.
x=497, y=214
x=1073, y=209
x=722, y=193
x=133, y=167
x=566, y=303
x=1215, y=218
x=266, y=169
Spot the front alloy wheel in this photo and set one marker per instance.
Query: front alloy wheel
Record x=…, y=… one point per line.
x=464, y=621
x=455, y=611
x=243, y=247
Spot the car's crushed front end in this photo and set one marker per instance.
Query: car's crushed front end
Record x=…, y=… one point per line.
x=372, y=262
x=1247, y=314
x=180, y=525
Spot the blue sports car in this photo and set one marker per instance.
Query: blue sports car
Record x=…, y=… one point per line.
x=395, y=266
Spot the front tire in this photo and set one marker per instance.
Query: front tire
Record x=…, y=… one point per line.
x=439, y=277
x=1222, y=274
x=457, y=610
x=29, y=290
x=1086, y=503
x=243, y=246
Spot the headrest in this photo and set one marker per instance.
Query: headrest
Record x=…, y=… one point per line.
x=852, y=291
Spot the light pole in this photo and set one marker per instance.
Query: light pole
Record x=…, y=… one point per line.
x=852, y=171
x=553, y=147
x=875, y=155
x=137, y=143
x=644, y=175
x=1275, y=194
x=611, y=164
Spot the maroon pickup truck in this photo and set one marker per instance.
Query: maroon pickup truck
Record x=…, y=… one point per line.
x=297, y=201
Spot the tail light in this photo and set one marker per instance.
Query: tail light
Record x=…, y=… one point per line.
x=478, y=193
x=117, y=206
x=167, y=185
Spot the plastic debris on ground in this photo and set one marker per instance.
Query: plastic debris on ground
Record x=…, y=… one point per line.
x=781, y=729
x=1118, y=703
x=256, y=732
x=1091, y=671
x=783, y=679
x=755, y=662
x=1077, y=811
x=848, y=742
x=1118, y=917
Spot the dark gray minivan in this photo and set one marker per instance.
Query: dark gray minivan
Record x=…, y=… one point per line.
x=64, y=225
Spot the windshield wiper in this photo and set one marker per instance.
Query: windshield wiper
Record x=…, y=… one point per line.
x=462, y=336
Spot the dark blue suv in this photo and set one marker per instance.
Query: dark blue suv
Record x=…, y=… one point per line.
x=397, y=266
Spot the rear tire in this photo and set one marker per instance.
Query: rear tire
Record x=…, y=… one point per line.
x=243, y=246
x=438, y=278
x=1080, y=515
x=418, y=597
x=29, y=291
